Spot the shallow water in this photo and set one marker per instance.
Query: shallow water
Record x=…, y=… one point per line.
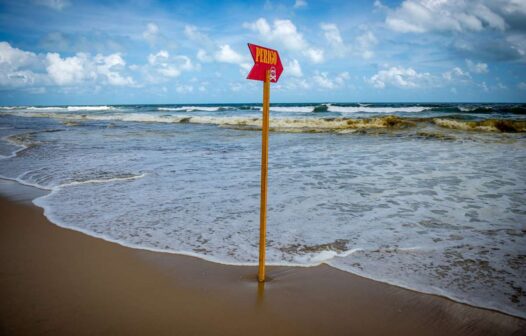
x=435, y=209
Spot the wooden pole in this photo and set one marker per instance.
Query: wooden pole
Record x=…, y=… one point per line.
x=264, y=175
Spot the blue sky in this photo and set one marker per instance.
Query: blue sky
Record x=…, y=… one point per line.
x=130, y=52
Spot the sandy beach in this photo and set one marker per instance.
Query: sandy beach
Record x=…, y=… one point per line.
x=57, y=281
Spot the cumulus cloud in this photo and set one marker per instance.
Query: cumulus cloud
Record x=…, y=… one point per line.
x=14, y=58
x=109, y=67
x=170, y=66
x=315, y=55
x=69, y=70
x=400, y=77
x=478, y=68
x=294, y=68
x=226, y=54
x=323, y=80
x=81, y=68
x=283, y=30
x=419, y=16
x=25, y=69
x=285, y=33
x=17, y=67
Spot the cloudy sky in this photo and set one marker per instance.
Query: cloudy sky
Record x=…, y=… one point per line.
x=129, y=52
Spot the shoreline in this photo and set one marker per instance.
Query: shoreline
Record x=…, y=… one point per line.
x=62, y=281
x=31, y=192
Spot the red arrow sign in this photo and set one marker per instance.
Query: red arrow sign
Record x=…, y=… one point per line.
x=265, y=59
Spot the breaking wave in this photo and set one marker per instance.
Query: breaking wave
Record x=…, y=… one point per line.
x=490, y=125
x=196, y=108
x=303, y=124
x=70, y=108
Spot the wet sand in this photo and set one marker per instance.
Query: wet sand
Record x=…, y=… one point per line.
x=56, y=281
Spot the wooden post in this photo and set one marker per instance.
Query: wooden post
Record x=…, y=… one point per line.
x=264, y=175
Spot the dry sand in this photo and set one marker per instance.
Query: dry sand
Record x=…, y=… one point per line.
x=56, y=281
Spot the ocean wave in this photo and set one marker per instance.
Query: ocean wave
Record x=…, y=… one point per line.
x=340, y=124
x=67, y=108
x=348, y=109
x=490, y=125
x=365, y=108
x=197, y=108
x=116, y=178
x=299, y=109
x=478, y=109
x=376, y=109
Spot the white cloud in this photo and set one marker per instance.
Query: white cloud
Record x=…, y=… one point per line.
x=419, y=16
x=153, y=59
x=477, y=67
x=315, y=55
x=170, y=66
x=53, y=4
x=293, y=68
x=193, y=34
x=81, y=68
x=331, y=32
x=14, y=58
x=109, y=66
x=151, y=33
x=455, y=74
x=323, y=80
x=226, y=54
x=20, y=68
x=246, y=67
x=17, y=67
x=300, y=4
x=69, y=70
x=285, y=33
x=521, y=86
x=362, y=47
x=400, y=77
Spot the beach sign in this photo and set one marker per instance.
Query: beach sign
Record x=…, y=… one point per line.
x=267, y=68
x=265, y=59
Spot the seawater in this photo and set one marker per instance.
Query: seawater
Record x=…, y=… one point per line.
x=430, y=197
